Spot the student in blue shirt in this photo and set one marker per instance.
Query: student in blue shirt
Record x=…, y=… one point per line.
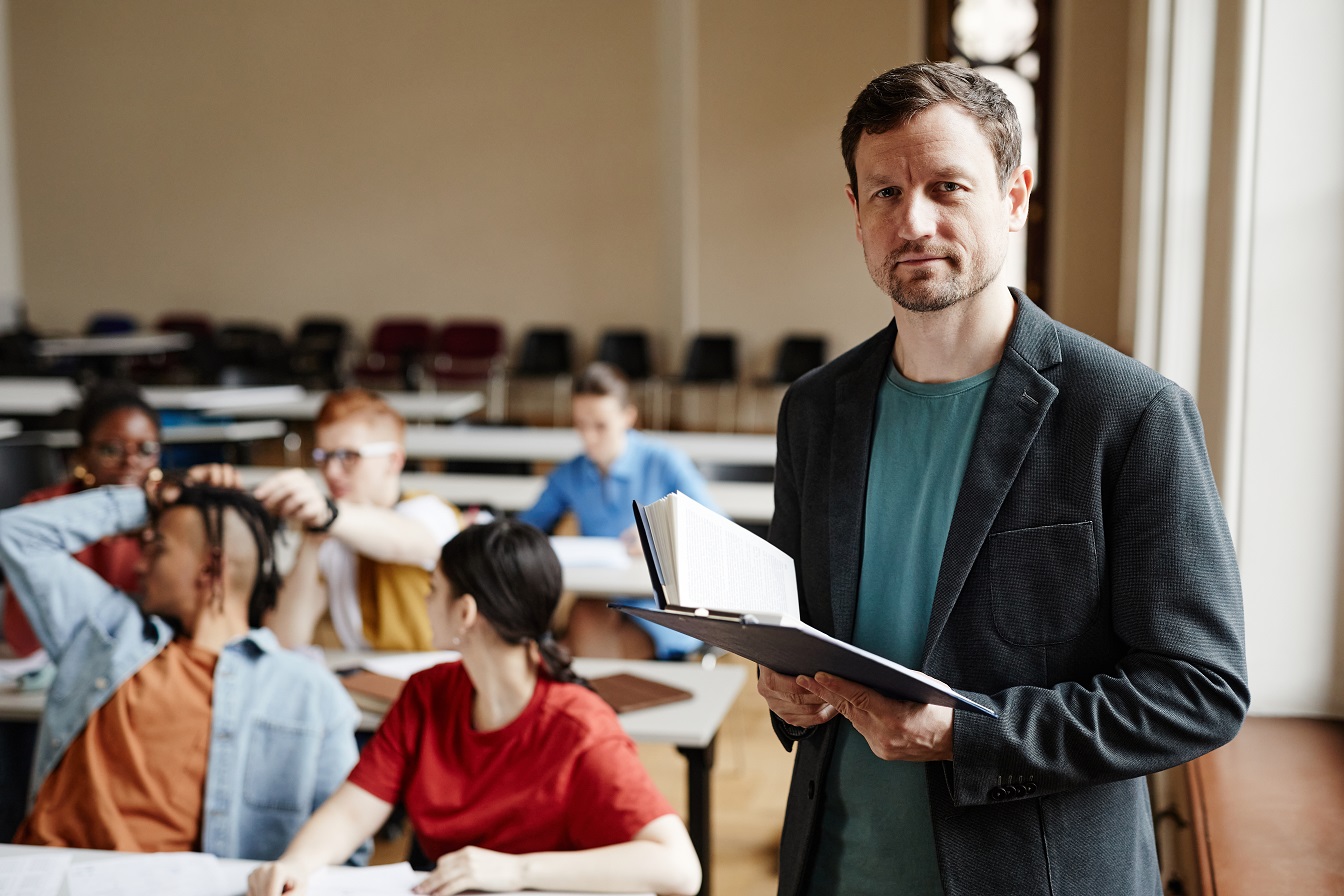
x=618, y=465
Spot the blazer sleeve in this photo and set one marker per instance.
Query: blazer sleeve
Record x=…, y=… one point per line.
x=1180, y=689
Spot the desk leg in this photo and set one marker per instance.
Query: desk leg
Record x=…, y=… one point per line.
x=699, y=761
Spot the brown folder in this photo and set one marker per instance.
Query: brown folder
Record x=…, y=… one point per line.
x=366, y=684
x=625, y=692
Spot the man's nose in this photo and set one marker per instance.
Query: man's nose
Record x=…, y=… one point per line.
x=918, y=217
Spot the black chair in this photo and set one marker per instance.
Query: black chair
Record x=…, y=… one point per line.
x=630, y=352
x=627, y=350
x=797, y=355
x=547, y=354
x=251, y=355
x=711, y=360
x=317, y=356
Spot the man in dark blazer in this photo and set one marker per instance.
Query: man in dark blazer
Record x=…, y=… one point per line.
x=1081, y=580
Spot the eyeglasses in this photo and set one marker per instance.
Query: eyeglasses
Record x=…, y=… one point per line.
x=116, y=452
x=348, y=457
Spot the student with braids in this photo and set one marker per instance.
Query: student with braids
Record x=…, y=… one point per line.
x=175, y=722
x=513, y=774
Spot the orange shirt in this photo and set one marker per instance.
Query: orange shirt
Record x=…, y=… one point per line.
x=114, y=558
x=134, y=778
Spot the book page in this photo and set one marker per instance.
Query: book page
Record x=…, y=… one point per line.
x=164, y=874
x=721, y=566
x=38, y=874
x=661, y=515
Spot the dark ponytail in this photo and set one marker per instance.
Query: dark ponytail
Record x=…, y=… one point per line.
x=514, y=575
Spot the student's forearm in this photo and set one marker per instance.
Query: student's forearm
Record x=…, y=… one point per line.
x=336, y=830
x=384, y=535
x=302, y=599
x=622, y=868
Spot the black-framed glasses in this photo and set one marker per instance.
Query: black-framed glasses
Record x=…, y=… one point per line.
x=115, y=452
x=348, y=457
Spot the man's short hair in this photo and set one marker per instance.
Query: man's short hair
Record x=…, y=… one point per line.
x=893, y=100
x=602, y=379
x=348, y=404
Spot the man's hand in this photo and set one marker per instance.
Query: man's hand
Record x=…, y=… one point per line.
x=473, y=868
x=791, y=702
x=293, y=496
x=894, y=729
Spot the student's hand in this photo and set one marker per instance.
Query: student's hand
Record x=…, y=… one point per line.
x=220, y=475
x=274, y=878
x=473, y=868
x=293, y=496
x=793, y=704
x=894, y=729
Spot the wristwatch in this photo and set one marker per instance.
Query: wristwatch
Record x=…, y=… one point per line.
x=335, y=511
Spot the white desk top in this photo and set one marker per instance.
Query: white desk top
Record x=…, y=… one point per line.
x=37, y=395
x=112, y=344
x=442, y=406
x=184, y=434
x=555, y=445
x=745, y=502
x=50, y=395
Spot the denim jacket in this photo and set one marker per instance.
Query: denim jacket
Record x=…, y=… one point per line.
x=282, y=727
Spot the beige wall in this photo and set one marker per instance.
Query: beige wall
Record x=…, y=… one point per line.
x=522, y=158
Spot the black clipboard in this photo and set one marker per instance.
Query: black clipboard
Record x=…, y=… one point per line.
x=789, y=647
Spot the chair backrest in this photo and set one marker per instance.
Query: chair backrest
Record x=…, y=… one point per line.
x=471, y=339
x=546, y=352
x=627, y=350
x=797, y=355
x=317, y=334
x=711, y=359
x=105, y=322
x=26, y=464
x=396, y=336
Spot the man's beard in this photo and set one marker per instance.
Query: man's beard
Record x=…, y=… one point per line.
x=927, y=292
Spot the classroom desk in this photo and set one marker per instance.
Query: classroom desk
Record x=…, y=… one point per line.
x=745, y=502
x=540, y=444
x=183, y=434
x=445, y=407
x=44, y=396
x=112, y=345
x=691, y=726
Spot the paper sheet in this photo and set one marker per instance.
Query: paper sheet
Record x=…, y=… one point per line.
x=11, y=669
x=402, y=666
x=163, y=874
x=32, y=875
x=604, y=553
x=376, y=880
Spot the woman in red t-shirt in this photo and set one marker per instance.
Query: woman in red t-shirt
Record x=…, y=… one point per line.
x=513, y=774
x=118, y=445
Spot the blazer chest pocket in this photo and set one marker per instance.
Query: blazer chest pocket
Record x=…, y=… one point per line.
x=1044, y=583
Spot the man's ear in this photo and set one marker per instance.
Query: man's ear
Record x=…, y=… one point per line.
x=210, y=579
x=854, y=206
x=1018, y=197
x=630, y=413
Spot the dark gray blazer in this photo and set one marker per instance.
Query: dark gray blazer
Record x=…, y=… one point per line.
x=1088, y=592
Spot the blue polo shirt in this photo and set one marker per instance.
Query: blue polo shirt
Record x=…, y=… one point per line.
x=645, y=472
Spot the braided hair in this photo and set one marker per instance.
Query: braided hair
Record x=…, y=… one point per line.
x=212, y=502
x=511, y=570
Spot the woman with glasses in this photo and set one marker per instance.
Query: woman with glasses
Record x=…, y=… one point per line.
x=118, y=445
x=368, y=547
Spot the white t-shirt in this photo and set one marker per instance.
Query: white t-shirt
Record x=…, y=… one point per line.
x=337, y=563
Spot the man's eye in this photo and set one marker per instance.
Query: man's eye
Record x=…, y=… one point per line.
x=948, y=186
x=885, y=193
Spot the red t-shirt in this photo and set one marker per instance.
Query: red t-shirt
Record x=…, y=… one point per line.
x=561, y=776
x=114, y=558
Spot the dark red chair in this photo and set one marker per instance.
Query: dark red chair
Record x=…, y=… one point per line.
x=397, y=349
x=473, y=352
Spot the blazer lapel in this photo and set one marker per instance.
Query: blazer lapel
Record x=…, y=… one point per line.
x=1012, y=416
x=851, y=443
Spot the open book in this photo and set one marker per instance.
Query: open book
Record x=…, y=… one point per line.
x=718, y=582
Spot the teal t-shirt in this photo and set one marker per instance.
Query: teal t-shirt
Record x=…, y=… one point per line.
x=876, y=835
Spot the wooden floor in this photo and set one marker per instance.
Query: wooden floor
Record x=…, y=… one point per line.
x=750, y=781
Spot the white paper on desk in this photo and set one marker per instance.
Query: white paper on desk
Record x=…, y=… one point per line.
x=163, y=874
x=32, y=875
x=579, y=551
x=402, y=666
x=376, y=880
x=12, y=669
